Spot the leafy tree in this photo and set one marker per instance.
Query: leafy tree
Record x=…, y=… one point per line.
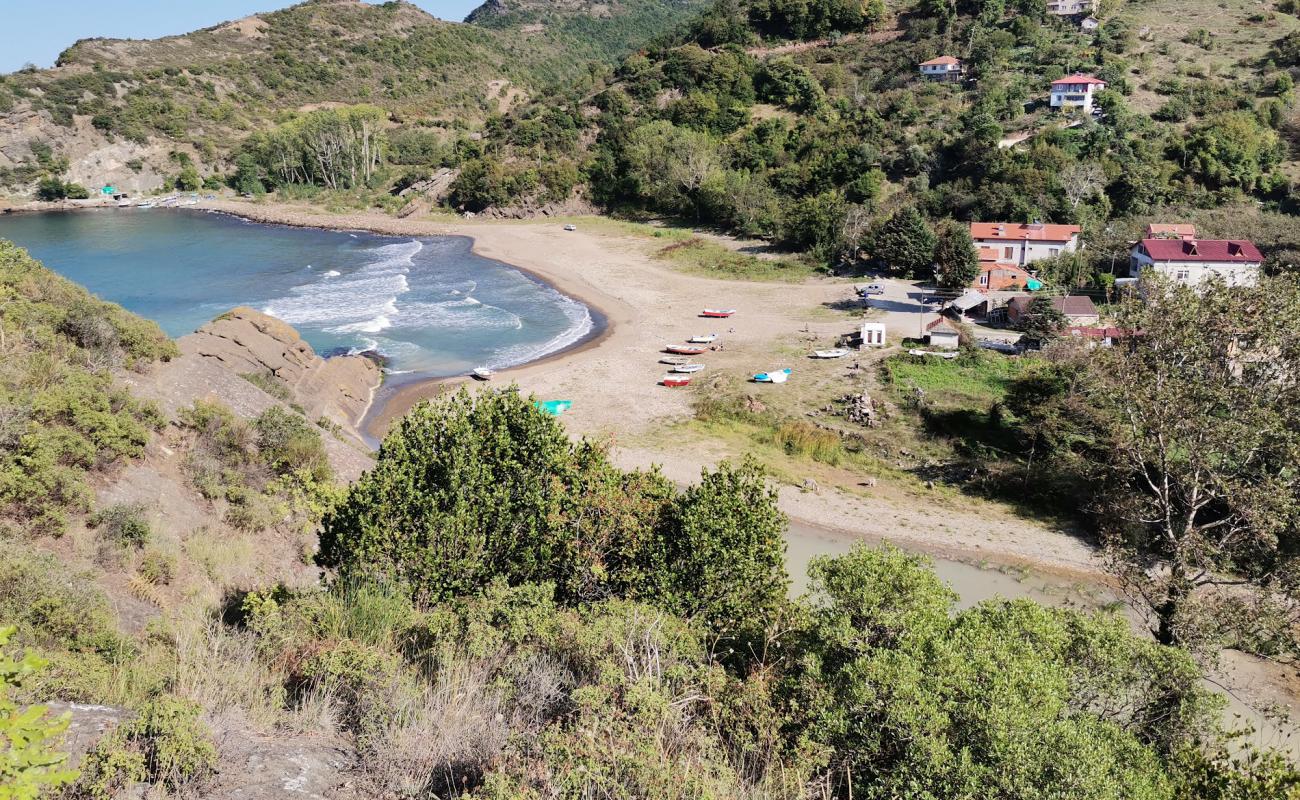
x=1232, y=150
x=189, y=179
x=1007, y=699
x=1042, y=321
x=785, y=83
x=956, y=261
x=488, y=486
x=816, y=223
x=669, y=166
x=1205, y=436
x=904, y=243
x=30, y=761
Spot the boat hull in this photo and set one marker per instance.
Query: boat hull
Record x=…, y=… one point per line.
x=685, y=351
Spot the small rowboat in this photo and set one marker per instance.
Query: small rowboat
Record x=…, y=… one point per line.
x=675, y=360
x=708, y=338
x=553, y=408
x=684, y=349
x=776, y=376
x=688, y=368
x=950, y=354
x=838, y=352
x=717, y=313
x=676, y=381
x=482, y=373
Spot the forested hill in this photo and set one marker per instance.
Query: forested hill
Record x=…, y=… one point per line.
x=808, y=121
x=128, y=112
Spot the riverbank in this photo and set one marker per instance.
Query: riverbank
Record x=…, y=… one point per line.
x=612, y=380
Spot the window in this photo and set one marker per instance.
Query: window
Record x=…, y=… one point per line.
x=1008, y=252
x=1054, y=251
x=984, y=279
x=1182, y=275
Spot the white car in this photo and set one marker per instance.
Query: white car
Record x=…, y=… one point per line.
x=570, y=227
x=871, y=289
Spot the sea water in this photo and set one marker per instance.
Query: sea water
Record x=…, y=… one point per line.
x=428, y=304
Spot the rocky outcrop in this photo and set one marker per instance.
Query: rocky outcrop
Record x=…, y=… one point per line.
x=245, y=341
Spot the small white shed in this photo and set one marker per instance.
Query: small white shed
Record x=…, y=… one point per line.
x=873, y=334
x=944, y=334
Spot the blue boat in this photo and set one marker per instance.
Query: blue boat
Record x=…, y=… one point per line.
x=554, y=407
x=776, y=376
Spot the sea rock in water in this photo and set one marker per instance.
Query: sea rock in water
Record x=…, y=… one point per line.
x=248, y=341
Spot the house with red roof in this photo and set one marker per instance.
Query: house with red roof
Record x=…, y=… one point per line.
x=1007, y=248
x=943, y=68
x=1170, y=230
x=1190, y=261
x=943, y=334
x=1076, y=91
x=1076, y=308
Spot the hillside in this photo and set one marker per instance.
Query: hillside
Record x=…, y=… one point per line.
x=130, y=113
x=813, y=129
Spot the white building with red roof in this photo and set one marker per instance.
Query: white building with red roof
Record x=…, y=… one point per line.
x=1076, y=91
x=943, y=68
x=1190, y=261
x=1071, y=8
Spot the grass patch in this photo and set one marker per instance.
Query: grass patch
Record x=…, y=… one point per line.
x=702, y=257
x=269, y=384
x=973, y=379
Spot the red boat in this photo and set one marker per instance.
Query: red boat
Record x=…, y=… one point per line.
x=718, y=313
x=676, y=381
x=684, y=349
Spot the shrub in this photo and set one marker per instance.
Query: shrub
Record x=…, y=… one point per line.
x=124, y=524
x=166, y=745
x=30, y=761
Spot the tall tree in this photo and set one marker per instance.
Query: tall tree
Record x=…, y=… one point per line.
x=956, y=261
x=904, y=243
x=1203, y=454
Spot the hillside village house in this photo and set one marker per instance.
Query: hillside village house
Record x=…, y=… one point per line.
x=943, y=68
x=943, y=334
x=1190, y=260
x=1170, y=230
x=1071, y=8
x=1006, y=248
x=1076, y=91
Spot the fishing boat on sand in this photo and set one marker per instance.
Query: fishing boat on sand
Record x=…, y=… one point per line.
x=717, y=313
x=688, y=368
x=482, y=373
x=706, y=338
x=684, y=349
x=554, y=408
x=674, y=360
x=775, y=376
x=838, y=352
x=676, y=381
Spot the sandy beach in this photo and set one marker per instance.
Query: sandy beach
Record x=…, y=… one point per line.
x=612, y=379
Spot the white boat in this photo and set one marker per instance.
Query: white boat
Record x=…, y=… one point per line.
x=775, y=376
x=688, y=368
x=482, y=373
x=706, y=338
x=948, y=354
x=124, y=204
x=838, y=352
x=146, y=205
x=675, y=360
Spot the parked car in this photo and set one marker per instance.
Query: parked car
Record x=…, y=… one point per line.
x=871, y=289
x=570, y=227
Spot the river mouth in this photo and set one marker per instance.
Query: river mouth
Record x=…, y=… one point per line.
x=429, y=305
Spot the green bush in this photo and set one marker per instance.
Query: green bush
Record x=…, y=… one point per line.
x=166, y=745
x=125, y=524
x=30, y=759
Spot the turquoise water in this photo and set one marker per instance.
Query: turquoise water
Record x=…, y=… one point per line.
x=429, y=304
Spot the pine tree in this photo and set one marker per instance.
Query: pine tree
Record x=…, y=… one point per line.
x=956, y=261
x=904, y=243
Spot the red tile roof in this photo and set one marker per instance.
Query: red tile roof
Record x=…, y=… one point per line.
x=1011, y=231
x=943, y=322
x=941, y=61
x=1079, y=78
x=1211, y=250
x=988, y=254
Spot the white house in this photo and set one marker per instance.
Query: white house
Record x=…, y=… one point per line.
x=1190, y=261
x=1018, y=244
x=943, y=68
x=1076, y=91
x=1071, y=8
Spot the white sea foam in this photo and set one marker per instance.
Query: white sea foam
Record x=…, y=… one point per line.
x=363, y=302
x=580, y=324
x=331, y=273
